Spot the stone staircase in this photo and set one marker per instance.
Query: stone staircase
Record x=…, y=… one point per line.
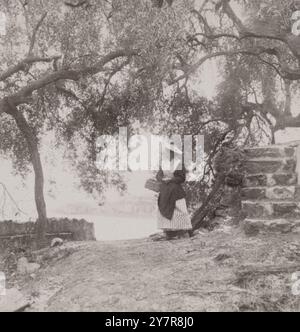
x=271, y=189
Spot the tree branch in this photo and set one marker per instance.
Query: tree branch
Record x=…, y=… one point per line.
x=22, y=95
x=108, y=80
x=199, y=63
x=243, y=30
x=283, y=71
x=285, y=37
x=34, y=34
x=216, y=36
x=24, y=64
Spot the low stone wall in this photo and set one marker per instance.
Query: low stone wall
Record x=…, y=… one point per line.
x=23, y=234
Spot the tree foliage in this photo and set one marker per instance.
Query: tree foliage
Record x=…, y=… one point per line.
x=82, y=69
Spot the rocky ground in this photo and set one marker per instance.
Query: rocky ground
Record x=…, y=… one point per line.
x=223, y=270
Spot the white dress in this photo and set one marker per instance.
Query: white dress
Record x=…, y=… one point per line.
x=180, y=220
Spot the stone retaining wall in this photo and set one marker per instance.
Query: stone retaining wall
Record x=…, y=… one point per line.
x=271, y=188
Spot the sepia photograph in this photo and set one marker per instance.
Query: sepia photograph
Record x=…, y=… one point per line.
x=149, y=158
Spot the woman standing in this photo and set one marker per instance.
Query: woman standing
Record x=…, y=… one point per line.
x=173, y=217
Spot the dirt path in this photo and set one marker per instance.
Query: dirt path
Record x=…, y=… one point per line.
x=186, y=275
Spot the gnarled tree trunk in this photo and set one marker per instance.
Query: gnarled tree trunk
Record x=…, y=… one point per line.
x=32, y=143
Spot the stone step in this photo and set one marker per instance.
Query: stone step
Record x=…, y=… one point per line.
x=270, y=180
x=270, y=152
x=270, y=165
x=254, y=226
x=271, y=193
x=271, y=209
